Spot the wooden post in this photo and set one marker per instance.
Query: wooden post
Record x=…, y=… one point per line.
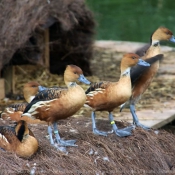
x=13, y=79
x=2, y=88
x=47, y=50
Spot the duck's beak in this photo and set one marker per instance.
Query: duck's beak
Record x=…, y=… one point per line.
x=83, y=79
x=143, y=63
x=41, y=88
x=172, y=39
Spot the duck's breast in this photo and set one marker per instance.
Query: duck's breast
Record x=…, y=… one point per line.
x=27, y=147
x=59, y=108
x=121, y=91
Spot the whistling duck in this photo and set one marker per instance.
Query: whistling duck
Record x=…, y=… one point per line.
x=106, y=96
x=18, y=139
x=140, y=82
x=54, y=104
x=14, y=111
x=31, y=89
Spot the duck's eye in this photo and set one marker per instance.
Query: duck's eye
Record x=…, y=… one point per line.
x=168, y=33
x=33, y=86
x=133, y=58
x=75, y=72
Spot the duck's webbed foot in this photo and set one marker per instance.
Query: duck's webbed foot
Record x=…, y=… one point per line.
x=59, y=140
x=66, y=142
x=97, y=132
x=123, y=132
x=135, y=118
x=138, y=124
x=120, y=132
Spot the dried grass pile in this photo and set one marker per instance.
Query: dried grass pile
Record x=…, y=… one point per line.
x=26, y=73
x=145, y=152
x=23, y=23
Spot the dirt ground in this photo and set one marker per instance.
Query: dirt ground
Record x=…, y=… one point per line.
x=144, y=152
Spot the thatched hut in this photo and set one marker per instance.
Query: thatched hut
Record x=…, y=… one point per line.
x=32, y=30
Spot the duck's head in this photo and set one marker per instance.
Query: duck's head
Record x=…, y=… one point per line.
x=21, y=130
x=131, y=59
x=162, y=34
x=31, y=89
x=72, y=74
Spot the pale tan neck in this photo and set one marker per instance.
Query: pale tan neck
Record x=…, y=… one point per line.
x=125, y=72
x=70, y=84
x=29, y=98
x=152, y=51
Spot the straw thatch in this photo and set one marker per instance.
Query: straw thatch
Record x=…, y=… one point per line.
x=23, y=23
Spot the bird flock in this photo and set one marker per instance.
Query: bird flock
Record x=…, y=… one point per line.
x=46, y=105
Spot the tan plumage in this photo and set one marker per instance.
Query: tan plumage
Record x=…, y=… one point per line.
x=54, y=104
x=14, y=111
x=143, y=82
x=106, y=96
x=18, y=139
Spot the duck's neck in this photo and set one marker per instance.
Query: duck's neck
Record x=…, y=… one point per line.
x=155, y=43
x=125, y=72
x=153, y=50
x=70, y=84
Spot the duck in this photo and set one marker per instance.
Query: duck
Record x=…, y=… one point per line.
x=14, y=111
x=30, y=89
x=141, y=82
x=18, y=139
x=106, y=96
x=54, y=104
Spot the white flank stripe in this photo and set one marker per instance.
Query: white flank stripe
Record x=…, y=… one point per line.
x=4, y=138
x=90, y=95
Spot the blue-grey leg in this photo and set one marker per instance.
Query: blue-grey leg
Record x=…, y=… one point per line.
x=120, y=132
x=95, y=130
x=135, y=118
x=59, y=140
x=50, y=135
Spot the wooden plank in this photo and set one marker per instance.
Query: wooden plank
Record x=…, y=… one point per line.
x=152, y=118
x=47, y=50
x=2, y=88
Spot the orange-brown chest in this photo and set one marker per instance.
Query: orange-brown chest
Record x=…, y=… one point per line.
x=63, y=107
x=114, y=95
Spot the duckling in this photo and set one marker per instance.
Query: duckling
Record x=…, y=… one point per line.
x=54, y=104
x=106, y=96
x=14, y=111
x=142, y=82
x=18, y=139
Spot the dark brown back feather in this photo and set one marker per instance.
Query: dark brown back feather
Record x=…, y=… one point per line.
x=138, y=70
x=96, y=85
x=8, y=132
x=19, y=106
x=48, y=94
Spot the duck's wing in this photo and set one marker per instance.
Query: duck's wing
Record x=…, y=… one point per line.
x=7, y=134
x=18, y=106
x=46, y=95
x=138, y=70
x=142, y=51
x=97, y=86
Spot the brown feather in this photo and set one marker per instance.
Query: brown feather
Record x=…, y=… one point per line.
x=9, y=140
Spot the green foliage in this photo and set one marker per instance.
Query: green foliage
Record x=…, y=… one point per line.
x=131, y=20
